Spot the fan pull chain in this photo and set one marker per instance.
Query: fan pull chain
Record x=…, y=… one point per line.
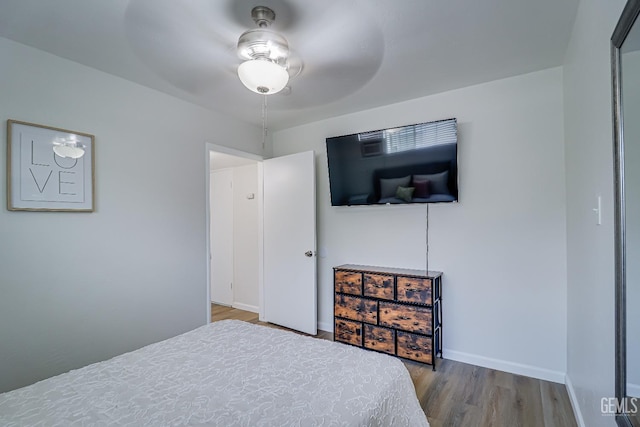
x=264, y=122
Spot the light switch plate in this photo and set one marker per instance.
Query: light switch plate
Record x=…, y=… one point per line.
x=598, y=210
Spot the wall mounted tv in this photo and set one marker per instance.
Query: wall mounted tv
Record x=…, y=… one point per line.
x=409, y=164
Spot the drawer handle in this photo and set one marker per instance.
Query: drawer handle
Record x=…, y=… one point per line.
x=412, y=290
x=416, y=323
x=404, y=317
x=347, y=333
x=358, y=309
x=378, y=286
x=414, y=347
x=381, y=339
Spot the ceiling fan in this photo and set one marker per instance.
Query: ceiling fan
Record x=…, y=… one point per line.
x=265, y=54
x=202, y=46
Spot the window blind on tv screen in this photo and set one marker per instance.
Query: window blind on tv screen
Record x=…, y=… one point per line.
x=408, y=164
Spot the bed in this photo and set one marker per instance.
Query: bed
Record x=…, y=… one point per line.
x=226, y=373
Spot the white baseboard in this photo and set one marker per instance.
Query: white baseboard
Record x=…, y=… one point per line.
x=506, y=366
x=245, y=307
x=574, y=402
x=633, y=390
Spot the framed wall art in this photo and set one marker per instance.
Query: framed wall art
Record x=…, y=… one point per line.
x=49, y=169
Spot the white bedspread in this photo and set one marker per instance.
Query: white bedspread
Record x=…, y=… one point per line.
x=227, y=373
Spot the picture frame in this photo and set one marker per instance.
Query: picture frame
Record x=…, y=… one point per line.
x=39, y=179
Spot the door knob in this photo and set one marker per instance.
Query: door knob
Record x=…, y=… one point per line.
x=308, y=254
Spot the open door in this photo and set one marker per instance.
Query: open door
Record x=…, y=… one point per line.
x=290, y=296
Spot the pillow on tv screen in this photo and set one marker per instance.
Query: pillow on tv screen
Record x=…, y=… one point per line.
x=437, y=182
x=421, y=188
x=389, y=186
x=405, y=193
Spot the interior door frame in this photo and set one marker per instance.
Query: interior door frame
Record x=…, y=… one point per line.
x=209, y=148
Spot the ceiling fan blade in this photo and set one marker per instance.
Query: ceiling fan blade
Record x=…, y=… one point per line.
x=338, y=58
x=179, y=42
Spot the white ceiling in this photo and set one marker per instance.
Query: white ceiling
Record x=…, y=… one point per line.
x=356, y=54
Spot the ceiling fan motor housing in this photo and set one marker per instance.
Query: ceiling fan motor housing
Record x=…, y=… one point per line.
x=262, y=43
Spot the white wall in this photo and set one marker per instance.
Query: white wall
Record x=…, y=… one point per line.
x=245, y=236
x=589, y=169
x=501, y=248
x=81, y=287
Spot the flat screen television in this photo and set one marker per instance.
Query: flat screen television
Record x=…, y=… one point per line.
x=404, y=165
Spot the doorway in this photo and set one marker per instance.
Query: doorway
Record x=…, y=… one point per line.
x=288, y=274
x=234, y=195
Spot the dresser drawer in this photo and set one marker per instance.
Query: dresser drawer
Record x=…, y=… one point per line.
x=414, y=347
x=414, y=289
x=348, y=331
x=355, y=308
x=378, y=286
x=348, y=282
x=405, y=317
x=381, y=339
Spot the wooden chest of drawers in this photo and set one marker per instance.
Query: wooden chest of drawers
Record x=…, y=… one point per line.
x=395, y=311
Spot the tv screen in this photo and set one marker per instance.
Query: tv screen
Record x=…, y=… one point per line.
x=409, y=164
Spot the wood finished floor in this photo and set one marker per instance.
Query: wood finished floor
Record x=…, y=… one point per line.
x=458, y=394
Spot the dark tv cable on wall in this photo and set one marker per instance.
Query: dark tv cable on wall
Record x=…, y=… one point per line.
x=427, y=239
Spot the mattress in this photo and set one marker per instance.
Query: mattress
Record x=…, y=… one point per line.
x=227, y=373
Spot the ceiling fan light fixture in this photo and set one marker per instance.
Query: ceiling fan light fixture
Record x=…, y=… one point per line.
x=263, y=76
x=265, y=54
